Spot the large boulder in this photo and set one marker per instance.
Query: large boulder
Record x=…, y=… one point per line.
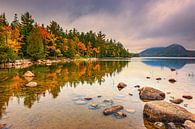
x=166, y=112
x=28, y=74
x=149, y=93
x=31, y=84
x=113, y=109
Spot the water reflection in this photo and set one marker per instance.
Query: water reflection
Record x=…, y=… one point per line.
x=52, y=79
x=169, y=63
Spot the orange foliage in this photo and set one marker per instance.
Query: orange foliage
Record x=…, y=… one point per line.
x=82, y=46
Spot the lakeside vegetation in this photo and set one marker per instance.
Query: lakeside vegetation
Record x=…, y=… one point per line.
x=28, y=39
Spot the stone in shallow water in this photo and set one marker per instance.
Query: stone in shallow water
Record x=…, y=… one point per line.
x=93, y=106
x=172, y=80
x=130, y=110
x=149, y=93
x=137, y=86
x=166, y=112
x=76, y=98
x=80, y=102
x=121, y=85
x=187, y=96
x=119, y=115
x=108, y=101
x=31, y=84
x=113, y=109
x=88, y=99
x=176, y=101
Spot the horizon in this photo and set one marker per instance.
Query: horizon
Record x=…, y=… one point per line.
x=136, y=24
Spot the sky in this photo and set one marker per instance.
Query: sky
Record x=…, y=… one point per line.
x=137, y=24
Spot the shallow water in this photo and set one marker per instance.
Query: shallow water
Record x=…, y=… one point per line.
x=57, y=103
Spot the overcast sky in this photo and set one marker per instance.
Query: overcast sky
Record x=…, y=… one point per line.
x=137, y=24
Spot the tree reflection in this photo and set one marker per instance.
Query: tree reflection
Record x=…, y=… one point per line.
x=52, y=79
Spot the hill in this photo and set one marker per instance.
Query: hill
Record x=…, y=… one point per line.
x=174, y=50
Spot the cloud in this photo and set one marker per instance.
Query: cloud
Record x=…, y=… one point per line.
x=136, y=23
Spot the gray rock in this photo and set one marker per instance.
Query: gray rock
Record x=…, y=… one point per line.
x=149, y=93
x=166, y=112
x=28, y=74
x=189, y=124
x=31, y=84
x=113, y=109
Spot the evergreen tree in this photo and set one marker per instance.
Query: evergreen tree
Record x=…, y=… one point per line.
x=35, y=48
x=26, y=27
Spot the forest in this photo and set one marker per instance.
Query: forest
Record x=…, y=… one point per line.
x=25, y=38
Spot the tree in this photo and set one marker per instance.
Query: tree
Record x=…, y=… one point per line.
x=35, y=48
x=54, y=28
x=25, y=29
x=15, y=23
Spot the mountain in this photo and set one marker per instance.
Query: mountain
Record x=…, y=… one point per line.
x=174, y=50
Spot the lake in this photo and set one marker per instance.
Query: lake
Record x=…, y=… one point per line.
x=56, y=103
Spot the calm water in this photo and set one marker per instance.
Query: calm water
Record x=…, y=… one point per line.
x=54, y=103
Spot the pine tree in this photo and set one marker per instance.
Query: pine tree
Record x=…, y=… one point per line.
x=35, y=48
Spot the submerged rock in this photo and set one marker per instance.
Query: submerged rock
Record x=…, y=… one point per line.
x=189, y=124
x=80, y=102
x=172, y=80
x=99, y=96
x=149, y=93
x=88, y=99
x=94, y=106
x=113, y=109
x=187, y=96
x=176, y=101
x=172, y=69
x=28, y=74
x=120, y=115
x=158, y=79
x=137, y=86
x=130, y=110
x=166, y=112
x=121, y=85
x=108, y=101
x=31, y=84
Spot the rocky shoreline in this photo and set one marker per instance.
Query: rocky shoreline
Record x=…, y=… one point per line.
x=24, y=63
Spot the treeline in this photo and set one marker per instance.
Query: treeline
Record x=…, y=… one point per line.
x=28, y=39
